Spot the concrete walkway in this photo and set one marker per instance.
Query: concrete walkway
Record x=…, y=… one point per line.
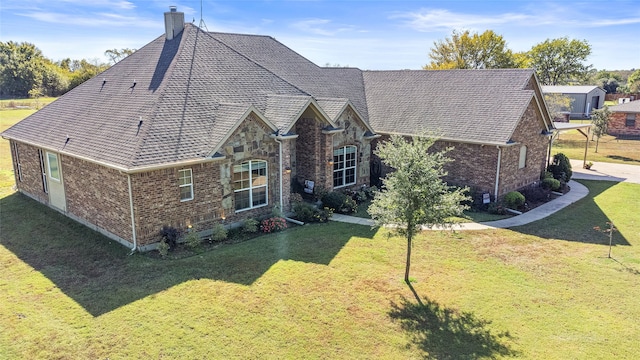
x=578, y=191
x=599, y=171
x=606, y=171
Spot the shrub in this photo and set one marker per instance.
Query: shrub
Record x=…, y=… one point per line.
x=536, y=193
x=170, y=236
x=273, y=224
x=514, y=200
x=163, y=248
x=339, y=202
x=219, y=232
x=496, y=208
x=295, y=198
x=250, y=226
x=308, y=213
x=561, y=167
x=192, y=240
x=550, y=184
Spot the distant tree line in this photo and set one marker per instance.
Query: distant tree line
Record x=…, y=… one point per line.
x=26, y=72
x=556, y=61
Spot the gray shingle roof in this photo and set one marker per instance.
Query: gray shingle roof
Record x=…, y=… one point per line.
x=630, y=107
x=178, y=100
x=467, y=105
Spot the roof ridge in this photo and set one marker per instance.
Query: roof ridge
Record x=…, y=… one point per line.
x=250, y=59
x=138, y=150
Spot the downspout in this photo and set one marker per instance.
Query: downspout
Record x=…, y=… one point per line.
x=280, y=169
x=495, y=193
x=133, y=219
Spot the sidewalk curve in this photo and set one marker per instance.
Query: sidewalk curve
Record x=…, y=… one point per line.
x=578, y=191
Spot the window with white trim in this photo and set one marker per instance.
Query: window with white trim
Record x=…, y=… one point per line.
x=523, y=157
x=344, y=166
x=185, y=180
x=250, y=184
x=54, y=166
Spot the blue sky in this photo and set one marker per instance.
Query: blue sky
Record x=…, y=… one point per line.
x=372, y=35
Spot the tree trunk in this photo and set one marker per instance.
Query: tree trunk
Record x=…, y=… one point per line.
x=406, y=273
x=597, y=142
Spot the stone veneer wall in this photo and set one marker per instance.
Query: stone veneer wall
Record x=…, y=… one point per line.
x=31, y=183
x=157, y=197
x=617, y=125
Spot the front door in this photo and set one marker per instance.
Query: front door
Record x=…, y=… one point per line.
x=56, y=185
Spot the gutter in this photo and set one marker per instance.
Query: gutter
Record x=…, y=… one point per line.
x=475, y=142
x=122, y=169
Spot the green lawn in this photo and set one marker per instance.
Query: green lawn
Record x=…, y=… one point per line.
x=542, y=291
x=610, y=149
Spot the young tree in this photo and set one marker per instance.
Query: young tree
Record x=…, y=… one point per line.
x=471, y=51
x=414, y=194
x=558, y=61
x=600, y=121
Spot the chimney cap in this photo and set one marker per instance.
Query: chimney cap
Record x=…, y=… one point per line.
x=173, y=8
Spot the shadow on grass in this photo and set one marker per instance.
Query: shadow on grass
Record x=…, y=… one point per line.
x=623, y=158
x=99, y=275
x=444, y=333
x=576, y=222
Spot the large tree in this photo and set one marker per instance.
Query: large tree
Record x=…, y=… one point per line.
x=21, y=68
x=560, y=61
x=414, y=194
x=471, y=51
x=116, y=55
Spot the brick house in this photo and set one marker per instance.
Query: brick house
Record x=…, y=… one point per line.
x=197, y=128
x=625, y=119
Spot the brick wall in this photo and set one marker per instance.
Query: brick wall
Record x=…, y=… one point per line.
x=475, y=165
x=617, y=125
x=98, y=195
x=528, y=133
x=31, y=183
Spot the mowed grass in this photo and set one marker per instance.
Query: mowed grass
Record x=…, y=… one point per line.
x=542, y=291
x=610, y=148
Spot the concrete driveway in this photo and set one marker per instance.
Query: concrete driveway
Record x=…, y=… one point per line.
x=606, y=171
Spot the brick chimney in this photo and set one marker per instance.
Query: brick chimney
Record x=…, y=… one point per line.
x=173, y=22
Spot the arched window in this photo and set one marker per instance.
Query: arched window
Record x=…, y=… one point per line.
x=523, y=157
x=250, y=184
x=344, y=166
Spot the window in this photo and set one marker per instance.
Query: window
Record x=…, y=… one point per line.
x=185, y=179
x=250, y=184
x=523, y=157
x=344, y=166
x=631, y=120
x=54, y=166
x=16, y=159
x=43, y=170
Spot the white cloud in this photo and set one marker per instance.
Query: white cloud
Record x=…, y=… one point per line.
x=319, y=27
x=427, y=20
x=97, y=20
x=119, y=4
